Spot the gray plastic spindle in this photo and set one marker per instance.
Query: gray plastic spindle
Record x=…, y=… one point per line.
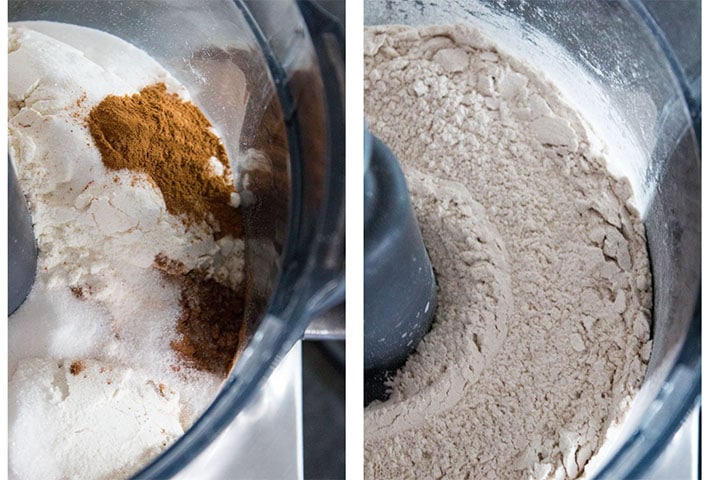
x=22, y=250
x=400, y=290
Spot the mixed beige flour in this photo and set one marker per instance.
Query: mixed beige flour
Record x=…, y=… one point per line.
x=541, y=335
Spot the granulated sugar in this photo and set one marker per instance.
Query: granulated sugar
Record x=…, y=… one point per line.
x=541, y=336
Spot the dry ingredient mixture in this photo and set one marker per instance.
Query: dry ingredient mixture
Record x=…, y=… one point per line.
x=135, y=316
x=541, y=336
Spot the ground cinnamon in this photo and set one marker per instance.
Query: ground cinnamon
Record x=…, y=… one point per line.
x=77, y=367
x=168, y=139
x=211, y=319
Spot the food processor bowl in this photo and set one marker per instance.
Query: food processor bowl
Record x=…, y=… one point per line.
x=613, y=64
x=268, y=76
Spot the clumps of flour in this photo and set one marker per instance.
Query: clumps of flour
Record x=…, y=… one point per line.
x=104, y=296
x=542, y=330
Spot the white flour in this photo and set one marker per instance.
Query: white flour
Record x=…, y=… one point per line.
x=542, y=334
x=97, y=297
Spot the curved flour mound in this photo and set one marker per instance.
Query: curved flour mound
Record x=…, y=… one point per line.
x=474, y=306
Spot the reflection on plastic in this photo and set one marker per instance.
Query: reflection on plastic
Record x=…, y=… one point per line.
x=265, y=439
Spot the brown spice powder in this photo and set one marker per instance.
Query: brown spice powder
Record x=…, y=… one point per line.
x=169, y=140
x=77, y=292
x=77, y=367
x=210, y=325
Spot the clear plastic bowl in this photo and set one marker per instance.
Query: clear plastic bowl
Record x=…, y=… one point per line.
x=612, y=62
x=263, y=73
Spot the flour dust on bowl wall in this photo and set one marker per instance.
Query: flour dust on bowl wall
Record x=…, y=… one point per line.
x=158, y=183
x=542, y=354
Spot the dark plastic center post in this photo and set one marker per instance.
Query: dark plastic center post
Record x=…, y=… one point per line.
x=22, y=251
x=400, y=291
